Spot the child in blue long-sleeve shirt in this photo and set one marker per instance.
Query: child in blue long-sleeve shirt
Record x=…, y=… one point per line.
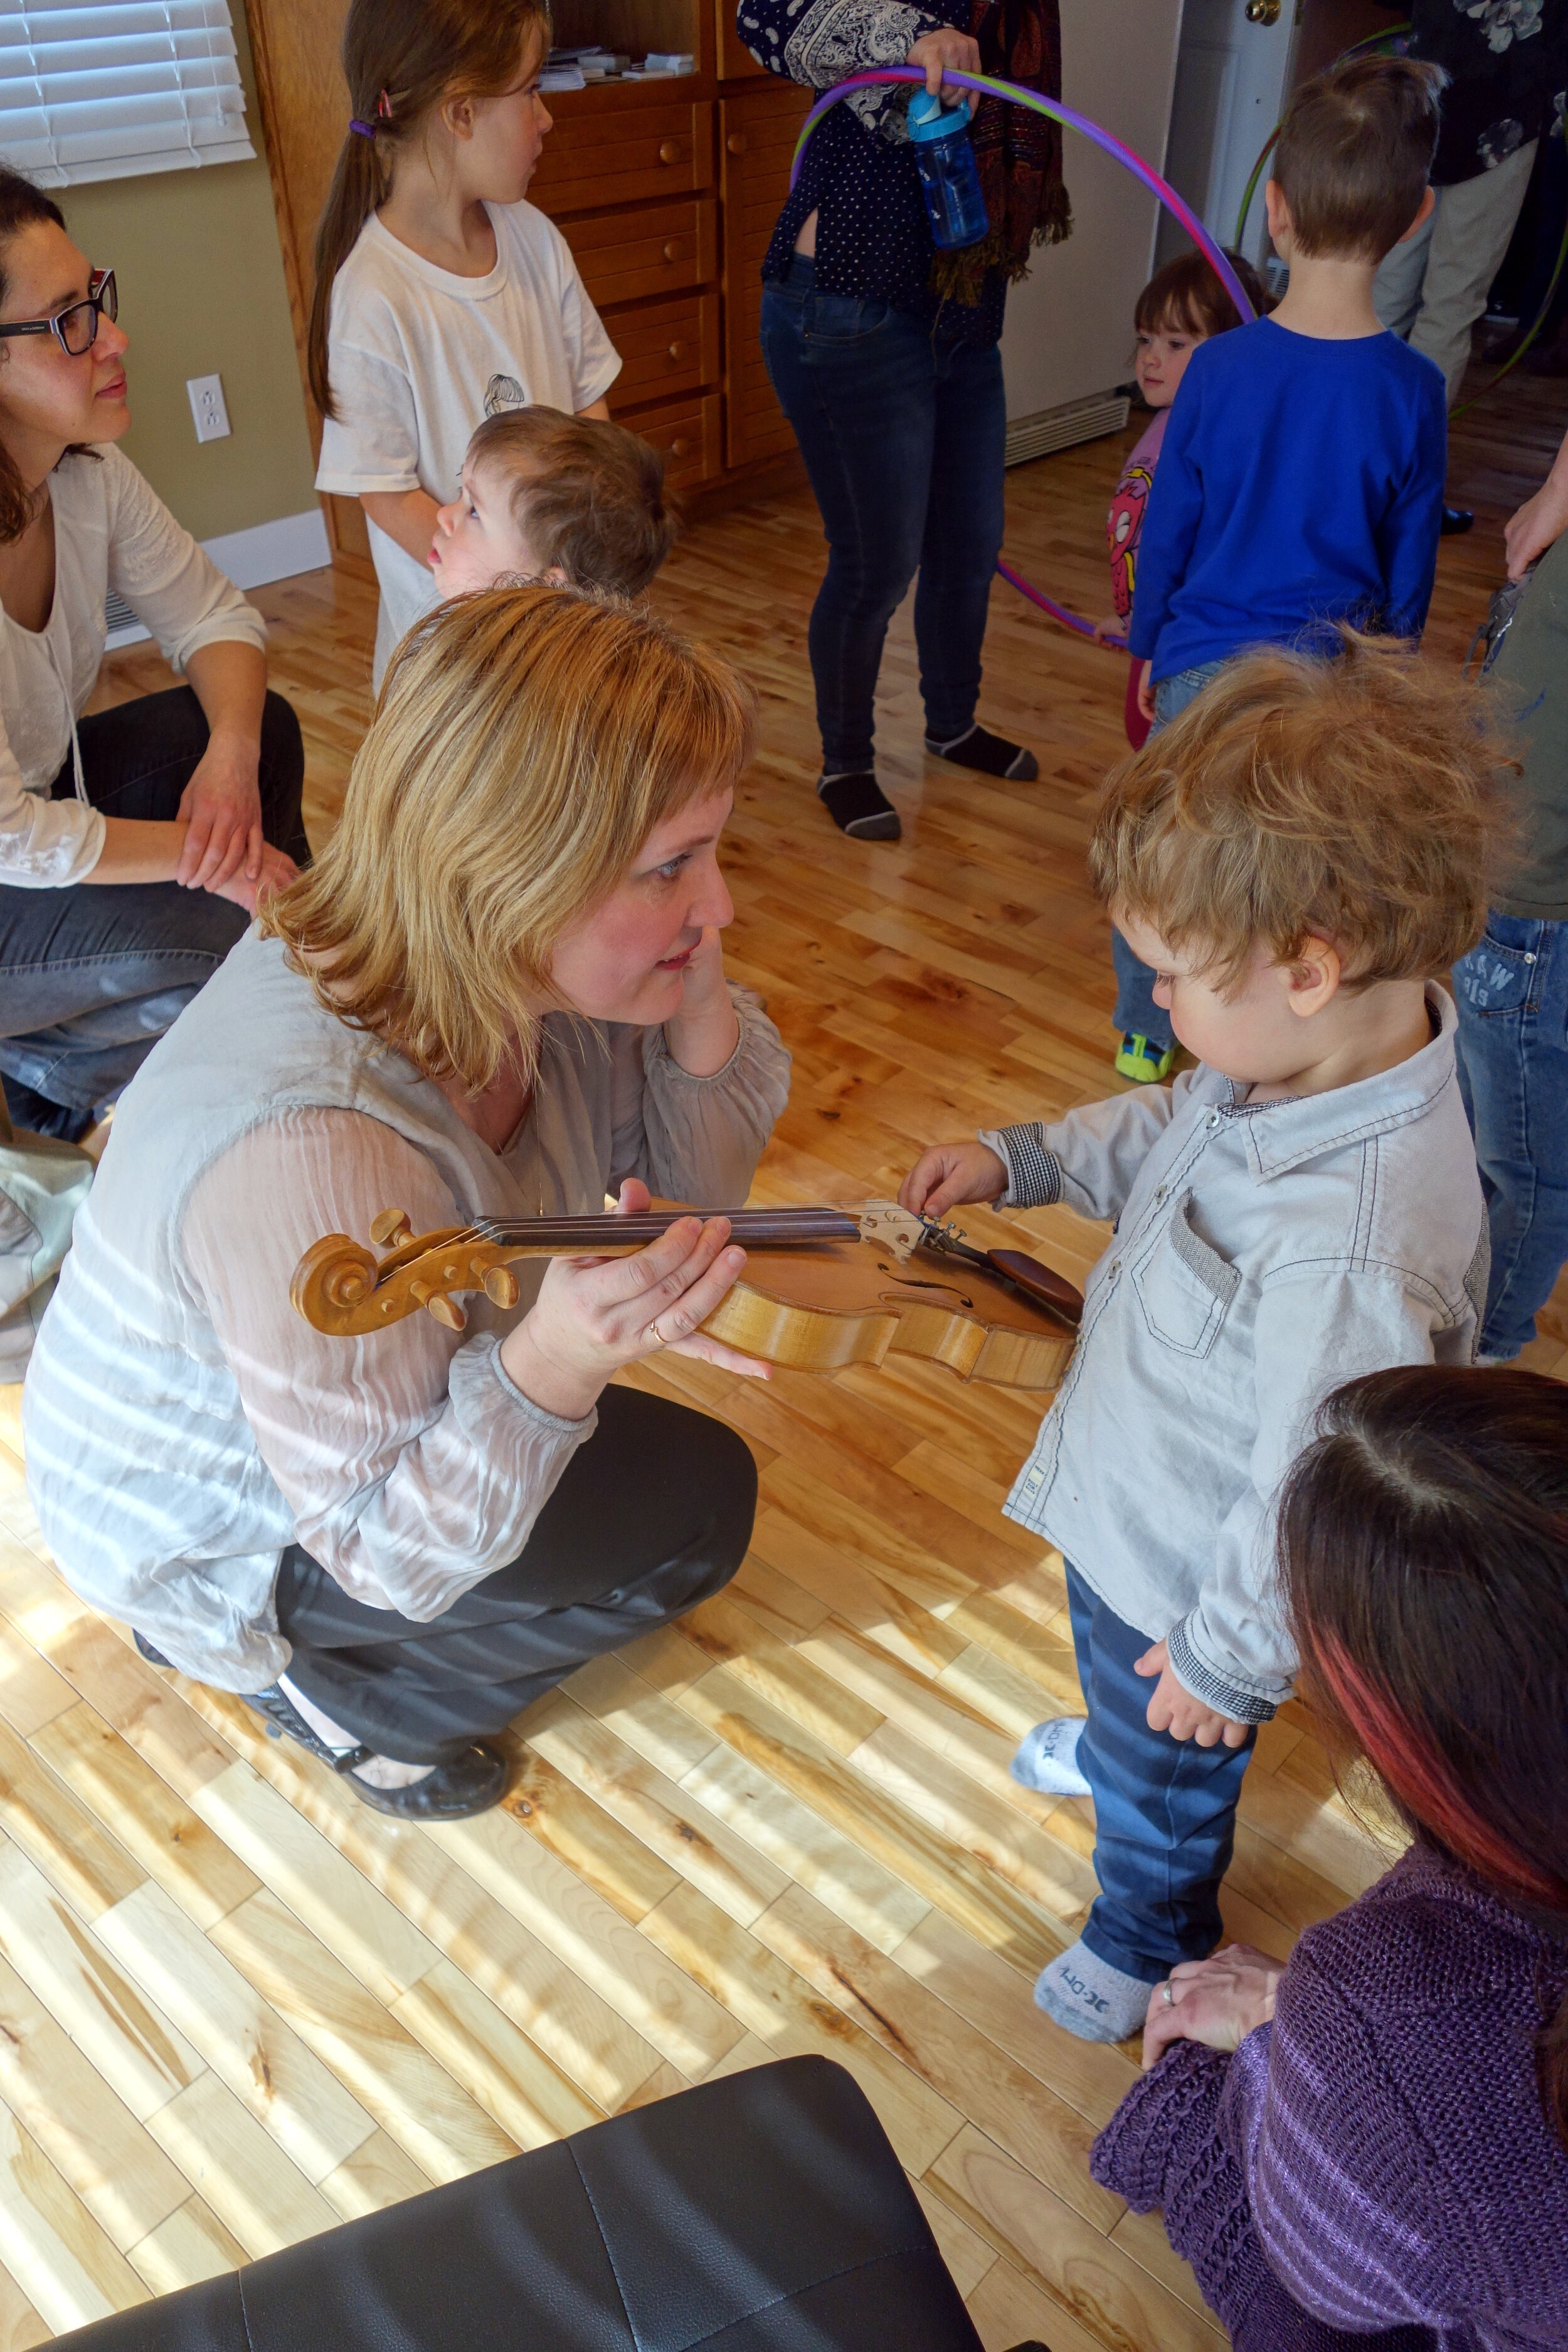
x=1301, y=474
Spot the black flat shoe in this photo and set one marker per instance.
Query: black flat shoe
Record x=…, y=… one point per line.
x=153, y=1657
x=450, y=1793
x=1456, y=519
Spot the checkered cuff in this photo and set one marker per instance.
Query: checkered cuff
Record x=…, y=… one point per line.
x=1241, y=1705
x=1034, y=1173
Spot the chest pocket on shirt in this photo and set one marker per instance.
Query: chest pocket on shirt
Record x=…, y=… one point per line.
x=1184, y=1286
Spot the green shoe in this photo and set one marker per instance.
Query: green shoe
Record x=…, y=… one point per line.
x=1138, y=1060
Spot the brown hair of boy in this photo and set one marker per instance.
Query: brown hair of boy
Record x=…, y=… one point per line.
x=1360, y=800
x=1355, y=152
x=1188, y=297
x=586, y=495
x=401, y=59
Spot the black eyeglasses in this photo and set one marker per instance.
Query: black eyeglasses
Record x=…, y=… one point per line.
x=76, y=330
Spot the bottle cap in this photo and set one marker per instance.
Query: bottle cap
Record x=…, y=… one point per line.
x=929, y=119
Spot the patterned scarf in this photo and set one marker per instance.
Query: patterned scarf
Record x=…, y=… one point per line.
x=1019, y=153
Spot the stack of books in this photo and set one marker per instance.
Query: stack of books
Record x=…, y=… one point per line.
x=577, y=69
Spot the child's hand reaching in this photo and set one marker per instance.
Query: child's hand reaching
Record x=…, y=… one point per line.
x=950, y=1172
x=1173, y=1708
x=1146, y=692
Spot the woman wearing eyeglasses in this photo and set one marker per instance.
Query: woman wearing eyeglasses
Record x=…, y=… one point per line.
x=133, y=844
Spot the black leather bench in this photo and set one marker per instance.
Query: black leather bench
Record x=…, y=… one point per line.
x=762, y=2214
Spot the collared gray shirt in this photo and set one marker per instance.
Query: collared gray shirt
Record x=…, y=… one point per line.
x=1262, y=1256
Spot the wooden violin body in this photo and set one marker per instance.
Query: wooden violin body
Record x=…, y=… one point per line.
x=821, y=1288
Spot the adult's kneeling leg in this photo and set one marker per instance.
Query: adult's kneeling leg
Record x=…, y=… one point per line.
x=651, y=1518
x=91, y=977
x=138, y=758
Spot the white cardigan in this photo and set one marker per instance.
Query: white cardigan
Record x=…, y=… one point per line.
x=111, y=530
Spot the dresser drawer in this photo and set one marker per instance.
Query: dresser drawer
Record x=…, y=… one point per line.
x=664, y=347
x=690, y=434
x=652, y=249
x=633, y=157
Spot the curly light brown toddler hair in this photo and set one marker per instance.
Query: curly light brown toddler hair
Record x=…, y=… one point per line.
x=587, y=495
x=1363, y=799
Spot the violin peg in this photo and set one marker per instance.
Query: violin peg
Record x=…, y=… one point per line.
x=448, y=1311
x=390, y=1228
x=500, y=1286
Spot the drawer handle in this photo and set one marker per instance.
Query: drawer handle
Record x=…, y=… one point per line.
x=680, y=446
x=670, y=152
x=738, y=143
x=678, y=351
x=672, y=249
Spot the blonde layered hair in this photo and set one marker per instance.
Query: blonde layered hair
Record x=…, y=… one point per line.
x=1360, y=800
x=526, y=742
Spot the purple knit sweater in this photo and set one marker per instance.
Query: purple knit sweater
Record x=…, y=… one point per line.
x=1374, y=2169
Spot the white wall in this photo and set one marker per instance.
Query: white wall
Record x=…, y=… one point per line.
x=1069, y=324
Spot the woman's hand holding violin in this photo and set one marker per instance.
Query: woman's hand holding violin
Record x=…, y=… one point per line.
x=593, y=1315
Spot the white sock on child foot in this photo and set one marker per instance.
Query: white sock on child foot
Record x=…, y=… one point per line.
x=1048, y=1759
x=1091, y=1998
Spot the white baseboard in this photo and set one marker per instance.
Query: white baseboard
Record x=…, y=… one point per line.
x=267, y=551
x=1062, y=428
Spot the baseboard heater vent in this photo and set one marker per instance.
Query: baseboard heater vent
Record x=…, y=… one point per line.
x=1061, y=428
x=119, y=622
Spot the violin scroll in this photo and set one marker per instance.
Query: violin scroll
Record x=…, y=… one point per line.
x=332, y=1283
x=341, y=1290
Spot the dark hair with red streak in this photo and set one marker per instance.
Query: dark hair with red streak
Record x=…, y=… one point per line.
x=1188, y=297
x=1423, y=1558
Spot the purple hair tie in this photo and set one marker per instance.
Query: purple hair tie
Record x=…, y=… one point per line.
x=365, y=129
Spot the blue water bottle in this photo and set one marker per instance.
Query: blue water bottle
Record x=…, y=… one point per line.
x=949, y=177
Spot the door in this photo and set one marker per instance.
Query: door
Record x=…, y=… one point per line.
x=1233, y=74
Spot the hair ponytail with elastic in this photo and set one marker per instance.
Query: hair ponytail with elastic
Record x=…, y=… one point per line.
x=401, y=57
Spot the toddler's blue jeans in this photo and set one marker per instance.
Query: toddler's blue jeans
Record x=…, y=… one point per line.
x=1164, y=1809
x=1137, y=1015
x=1513, y=993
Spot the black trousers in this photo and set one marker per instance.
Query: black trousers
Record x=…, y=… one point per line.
x=651, y=1515
x=91, y=976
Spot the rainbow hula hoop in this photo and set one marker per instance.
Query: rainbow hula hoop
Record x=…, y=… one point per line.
x=1129, y=160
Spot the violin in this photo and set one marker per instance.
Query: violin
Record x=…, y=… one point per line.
x=822, y=1287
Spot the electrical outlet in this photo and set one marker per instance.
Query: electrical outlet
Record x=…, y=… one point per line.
x=207, y=407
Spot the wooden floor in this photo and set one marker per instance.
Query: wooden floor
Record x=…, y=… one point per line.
x=235, y=2005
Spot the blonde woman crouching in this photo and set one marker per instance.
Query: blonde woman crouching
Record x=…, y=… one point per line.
x=500, y=991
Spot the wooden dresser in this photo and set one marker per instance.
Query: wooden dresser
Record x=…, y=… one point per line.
x=667, y=192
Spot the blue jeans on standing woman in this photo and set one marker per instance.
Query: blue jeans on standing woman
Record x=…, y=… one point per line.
x=91, y=976
x=1137, y=1015
x=1512, y=995
x=1164, y=1809
x=903, y=428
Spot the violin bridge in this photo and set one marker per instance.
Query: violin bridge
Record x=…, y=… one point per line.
x=897, y=1230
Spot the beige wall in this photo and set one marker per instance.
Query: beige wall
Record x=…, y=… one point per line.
x=201, y=292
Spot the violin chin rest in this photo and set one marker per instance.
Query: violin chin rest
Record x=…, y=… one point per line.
x=1040, y=1283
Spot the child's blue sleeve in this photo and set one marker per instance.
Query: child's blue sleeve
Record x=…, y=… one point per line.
x=1170, y=520
x=1408, y=539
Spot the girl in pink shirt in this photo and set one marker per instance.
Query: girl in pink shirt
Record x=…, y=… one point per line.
x=1181, y=306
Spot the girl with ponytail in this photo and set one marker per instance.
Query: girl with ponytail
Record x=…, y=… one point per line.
x=1369, y=2146
x=441, y=296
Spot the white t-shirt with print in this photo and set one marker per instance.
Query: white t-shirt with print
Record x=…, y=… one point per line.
x=419, y=357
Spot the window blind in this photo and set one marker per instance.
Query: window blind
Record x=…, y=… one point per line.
x=110, y=90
